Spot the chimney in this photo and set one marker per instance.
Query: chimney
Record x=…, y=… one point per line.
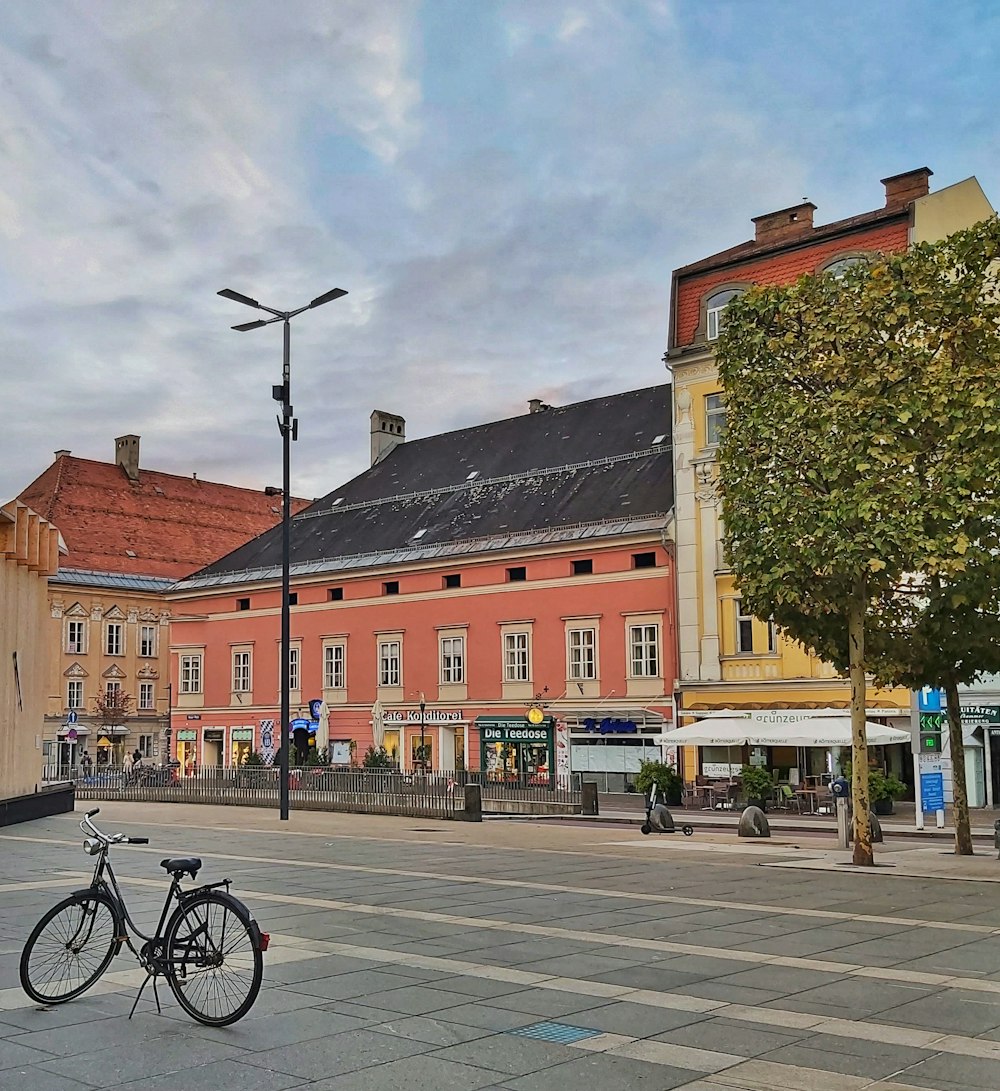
x=62, y=452
x=127, y=455
x=536, y=405
x=785, y=224
x=901, y=189
x=388, y=430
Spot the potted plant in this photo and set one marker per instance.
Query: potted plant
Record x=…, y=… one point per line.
x=757, y=785
x=883, y=790
x=668, y=781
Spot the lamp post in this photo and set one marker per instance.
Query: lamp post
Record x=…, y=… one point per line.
x=288, y=426
x=423, y=752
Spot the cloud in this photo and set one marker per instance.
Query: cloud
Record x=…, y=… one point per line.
x=503, y=188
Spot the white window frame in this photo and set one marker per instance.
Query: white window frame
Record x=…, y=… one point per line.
x=644, y=650
x=78, y=646
x=335, y=666
x=390, y=663
x=715, y=418
x=517, y=656
x=147, y=697
x=581, y=654
x=147, y=641
x=190, y=673
x=74, y=693
x=112, y=689
x=114, y=638
x=452, y=660
x=242, y=676
x=145, y=746
x=714, y=322
x=294, y=664
x=744, y=626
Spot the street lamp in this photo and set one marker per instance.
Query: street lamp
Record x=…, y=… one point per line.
x=288, y=426
x=423, y=752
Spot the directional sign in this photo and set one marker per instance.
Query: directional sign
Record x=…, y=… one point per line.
x=931, y=792
x=71, y=718
x=929, y=700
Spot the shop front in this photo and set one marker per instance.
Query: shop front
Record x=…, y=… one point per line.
x=241, y=744
x=434, y=738
x=187, y=750
x=516, y=749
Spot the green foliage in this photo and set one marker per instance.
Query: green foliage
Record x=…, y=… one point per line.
x=665, y=777
x=756, y=782
x=254, y=759
x=882, y=786
x=377, y=759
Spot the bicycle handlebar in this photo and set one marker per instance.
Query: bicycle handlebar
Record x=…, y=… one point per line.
x=108, y=839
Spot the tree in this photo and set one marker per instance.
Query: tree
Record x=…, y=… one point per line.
x=113, y=707
x=861, y=451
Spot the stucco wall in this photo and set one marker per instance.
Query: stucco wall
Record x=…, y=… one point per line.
x=29, y=547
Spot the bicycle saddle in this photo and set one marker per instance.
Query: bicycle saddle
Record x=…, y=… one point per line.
x=181, y=864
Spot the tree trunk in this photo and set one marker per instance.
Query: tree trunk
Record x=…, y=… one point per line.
x=859, y=740
x=963, y=830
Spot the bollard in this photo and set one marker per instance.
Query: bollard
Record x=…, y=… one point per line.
x=588, y=797
x=843, y=826
x=996, y=837
x=473, y=803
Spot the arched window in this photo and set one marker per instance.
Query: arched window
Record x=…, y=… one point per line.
x=714, y=307
x=839, y=266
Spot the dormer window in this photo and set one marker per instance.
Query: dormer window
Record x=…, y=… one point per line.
x=839, y=266
x=715, y=305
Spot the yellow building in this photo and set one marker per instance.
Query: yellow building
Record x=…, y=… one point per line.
x=29, y=547
x=727, y=659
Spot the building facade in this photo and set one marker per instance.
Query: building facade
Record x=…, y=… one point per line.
x=29, y=554
x=130, y=534
x=520, y=565
x=727, y=659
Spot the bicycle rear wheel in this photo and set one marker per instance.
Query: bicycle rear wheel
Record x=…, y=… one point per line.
x=214, y=962
x=70, y=947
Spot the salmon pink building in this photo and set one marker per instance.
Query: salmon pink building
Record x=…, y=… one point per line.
x=499, y=597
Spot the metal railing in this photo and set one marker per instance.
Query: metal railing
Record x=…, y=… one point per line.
x=441, y=793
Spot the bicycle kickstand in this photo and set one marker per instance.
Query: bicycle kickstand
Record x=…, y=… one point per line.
x=156, y=995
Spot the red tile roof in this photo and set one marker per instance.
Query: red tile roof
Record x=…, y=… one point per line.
x=161, y=525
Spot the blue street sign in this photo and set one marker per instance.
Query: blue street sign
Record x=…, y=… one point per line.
x=931, y=792
x=930, y=700
x=71, y=718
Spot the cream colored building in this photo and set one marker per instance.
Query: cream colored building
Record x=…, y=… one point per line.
x=30, y=549
x=726, y=659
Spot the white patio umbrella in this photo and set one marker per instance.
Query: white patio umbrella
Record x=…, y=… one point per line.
x=378, y=724
x=836, y=731
x=323, y=728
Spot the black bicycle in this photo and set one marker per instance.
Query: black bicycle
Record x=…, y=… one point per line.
x=210, y=949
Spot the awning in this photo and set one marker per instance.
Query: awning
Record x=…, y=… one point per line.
x=67, y=728
x=808, y=731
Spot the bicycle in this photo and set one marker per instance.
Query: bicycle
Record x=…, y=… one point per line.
x=210, y=949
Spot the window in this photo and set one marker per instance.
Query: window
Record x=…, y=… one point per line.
x=516, y=575
x=515, y=657
x=453, y=579
x=643, y=560
x=840, y=266
x=146, y=699
x=293, y=667
x=715, y=419
x=114, y=638
x=146, y=746
x=76, y=636
x=744, y=631
x=582, y=657
x=242, y=604
x=336, y=594
x=293, y=598
x=113, y=693
x=190, y=674
x=388, y=662
x=334, y=666
x=74, y=694
x=714, y=307
x=390, y=587
x=644, y=645
x=241, y=672
x=452, y=659
x=147, y=641
x=583, y=568
x=772, y=637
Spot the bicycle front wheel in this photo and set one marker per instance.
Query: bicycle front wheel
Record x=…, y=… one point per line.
x=214, y=961
x=70, y=947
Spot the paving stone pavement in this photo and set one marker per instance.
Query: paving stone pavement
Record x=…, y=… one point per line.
x=518, y=955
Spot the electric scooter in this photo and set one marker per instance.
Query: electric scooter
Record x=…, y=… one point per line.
x=659, y=819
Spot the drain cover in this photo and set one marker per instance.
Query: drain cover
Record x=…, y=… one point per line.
x=556, y=1032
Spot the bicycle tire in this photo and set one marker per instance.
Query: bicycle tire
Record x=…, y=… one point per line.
x=51, y=971
x=214, y=961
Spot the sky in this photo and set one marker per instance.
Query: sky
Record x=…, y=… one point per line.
x=502, y=186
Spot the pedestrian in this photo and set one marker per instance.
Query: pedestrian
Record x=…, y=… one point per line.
x=136, y=756
x=86, y=764
x=127, y=765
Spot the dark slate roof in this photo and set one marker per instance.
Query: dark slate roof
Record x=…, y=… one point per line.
x=596, y=468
